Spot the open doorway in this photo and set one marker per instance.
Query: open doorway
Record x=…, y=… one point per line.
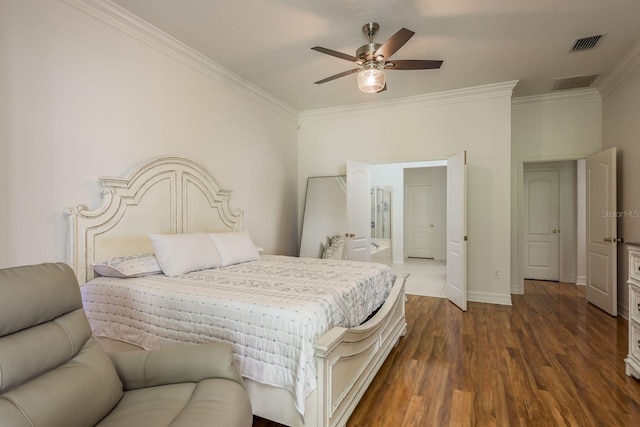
x=587, y=233
x=426, y=229
x=552, y=222
x=418, y=237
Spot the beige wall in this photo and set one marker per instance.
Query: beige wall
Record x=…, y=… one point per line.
x=82, y=99
x=431, y=127
x=621, y=129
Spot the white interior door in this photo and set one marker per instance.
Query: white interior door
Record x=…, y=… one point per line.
x=602, y=285
x=456, y=288
x=421, y=199
x=359, y=211
x=541, y=218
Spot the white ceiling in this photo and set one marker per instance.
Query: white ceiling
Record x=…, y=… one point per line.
x=268, y=42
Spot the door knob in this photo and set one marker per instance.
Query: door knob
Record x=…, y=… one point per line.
x=555, y=230
x=608, y=239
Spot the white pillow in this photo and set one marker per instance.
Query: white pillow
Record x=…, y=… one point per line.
x=235, y=247
x=128, y=266
x=179, y=254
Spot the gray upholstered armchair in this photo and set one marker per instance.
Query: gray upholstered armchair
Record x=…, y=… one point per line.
x=54, y=373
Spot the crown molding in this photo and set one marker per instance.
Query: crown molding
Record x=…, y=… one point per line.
x=568, y=97
x=496, y=90
x=124, y=21
x=626, y=65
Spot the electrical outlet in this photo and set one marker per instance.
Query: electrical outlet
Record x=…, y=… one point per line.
x=496, y=274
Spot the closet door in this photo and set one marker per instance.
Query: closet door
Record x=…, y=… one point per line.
x=541, y=218
x=421, y=201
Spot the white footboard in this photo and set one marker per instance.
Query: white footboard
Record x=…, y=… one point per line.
x=348, y=359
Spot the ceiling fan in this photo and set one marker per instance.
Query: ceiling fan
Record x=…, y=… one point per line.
x=373, y=59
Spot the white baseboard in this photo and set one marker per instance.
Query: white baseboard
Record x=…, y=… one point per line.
x=569, y=278
x=581, y=280
x=623, y=311
x=489, y=298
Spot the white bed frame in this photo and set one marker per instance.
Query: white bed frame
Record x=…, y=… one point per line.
x=177, y=195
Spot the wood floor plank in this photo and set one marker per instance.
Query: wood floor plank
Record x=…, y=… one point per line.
x=551, y=359
x=461, y=408
x=414, y=416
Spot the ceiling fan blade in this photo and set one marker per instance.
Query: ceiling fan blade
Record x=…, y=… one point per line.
x=394, y=43
x=335, y=53
x=412, y=64
x=337, y=76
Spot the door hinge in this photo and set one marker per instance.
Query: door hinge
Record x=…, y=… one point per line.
x=465, y=238
x=465, y=157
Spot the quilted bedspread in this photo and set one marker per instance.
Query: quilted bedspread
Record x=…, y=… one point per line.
x=271, y=310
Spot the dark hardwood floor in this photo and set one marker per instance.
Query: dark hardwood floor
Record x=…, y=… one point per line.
x=550, y=359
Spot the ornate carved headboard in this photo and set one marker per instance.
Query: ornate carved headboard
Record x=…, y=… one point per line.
x=165, y=195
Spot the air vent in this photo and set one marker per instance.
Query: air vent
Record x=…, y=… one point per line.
x=585, y=43
x=575, y=82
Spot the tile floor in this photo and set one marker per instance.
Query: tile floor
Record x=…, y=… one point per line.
x=427, y=277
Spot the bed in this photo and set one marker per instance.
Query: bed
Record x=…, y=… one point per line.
x=319, y=377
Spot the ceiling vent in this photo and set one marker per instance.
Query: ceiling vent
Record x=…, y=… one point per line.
x=586, y=43
x=575, y=82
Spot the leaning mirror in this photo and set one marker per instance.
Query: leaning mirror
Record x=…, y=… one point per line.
x=324, y=215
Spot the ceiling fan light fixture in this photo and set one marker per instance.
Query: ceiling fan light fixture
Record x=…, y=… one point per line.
x=372, y=78
x=373, y=59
